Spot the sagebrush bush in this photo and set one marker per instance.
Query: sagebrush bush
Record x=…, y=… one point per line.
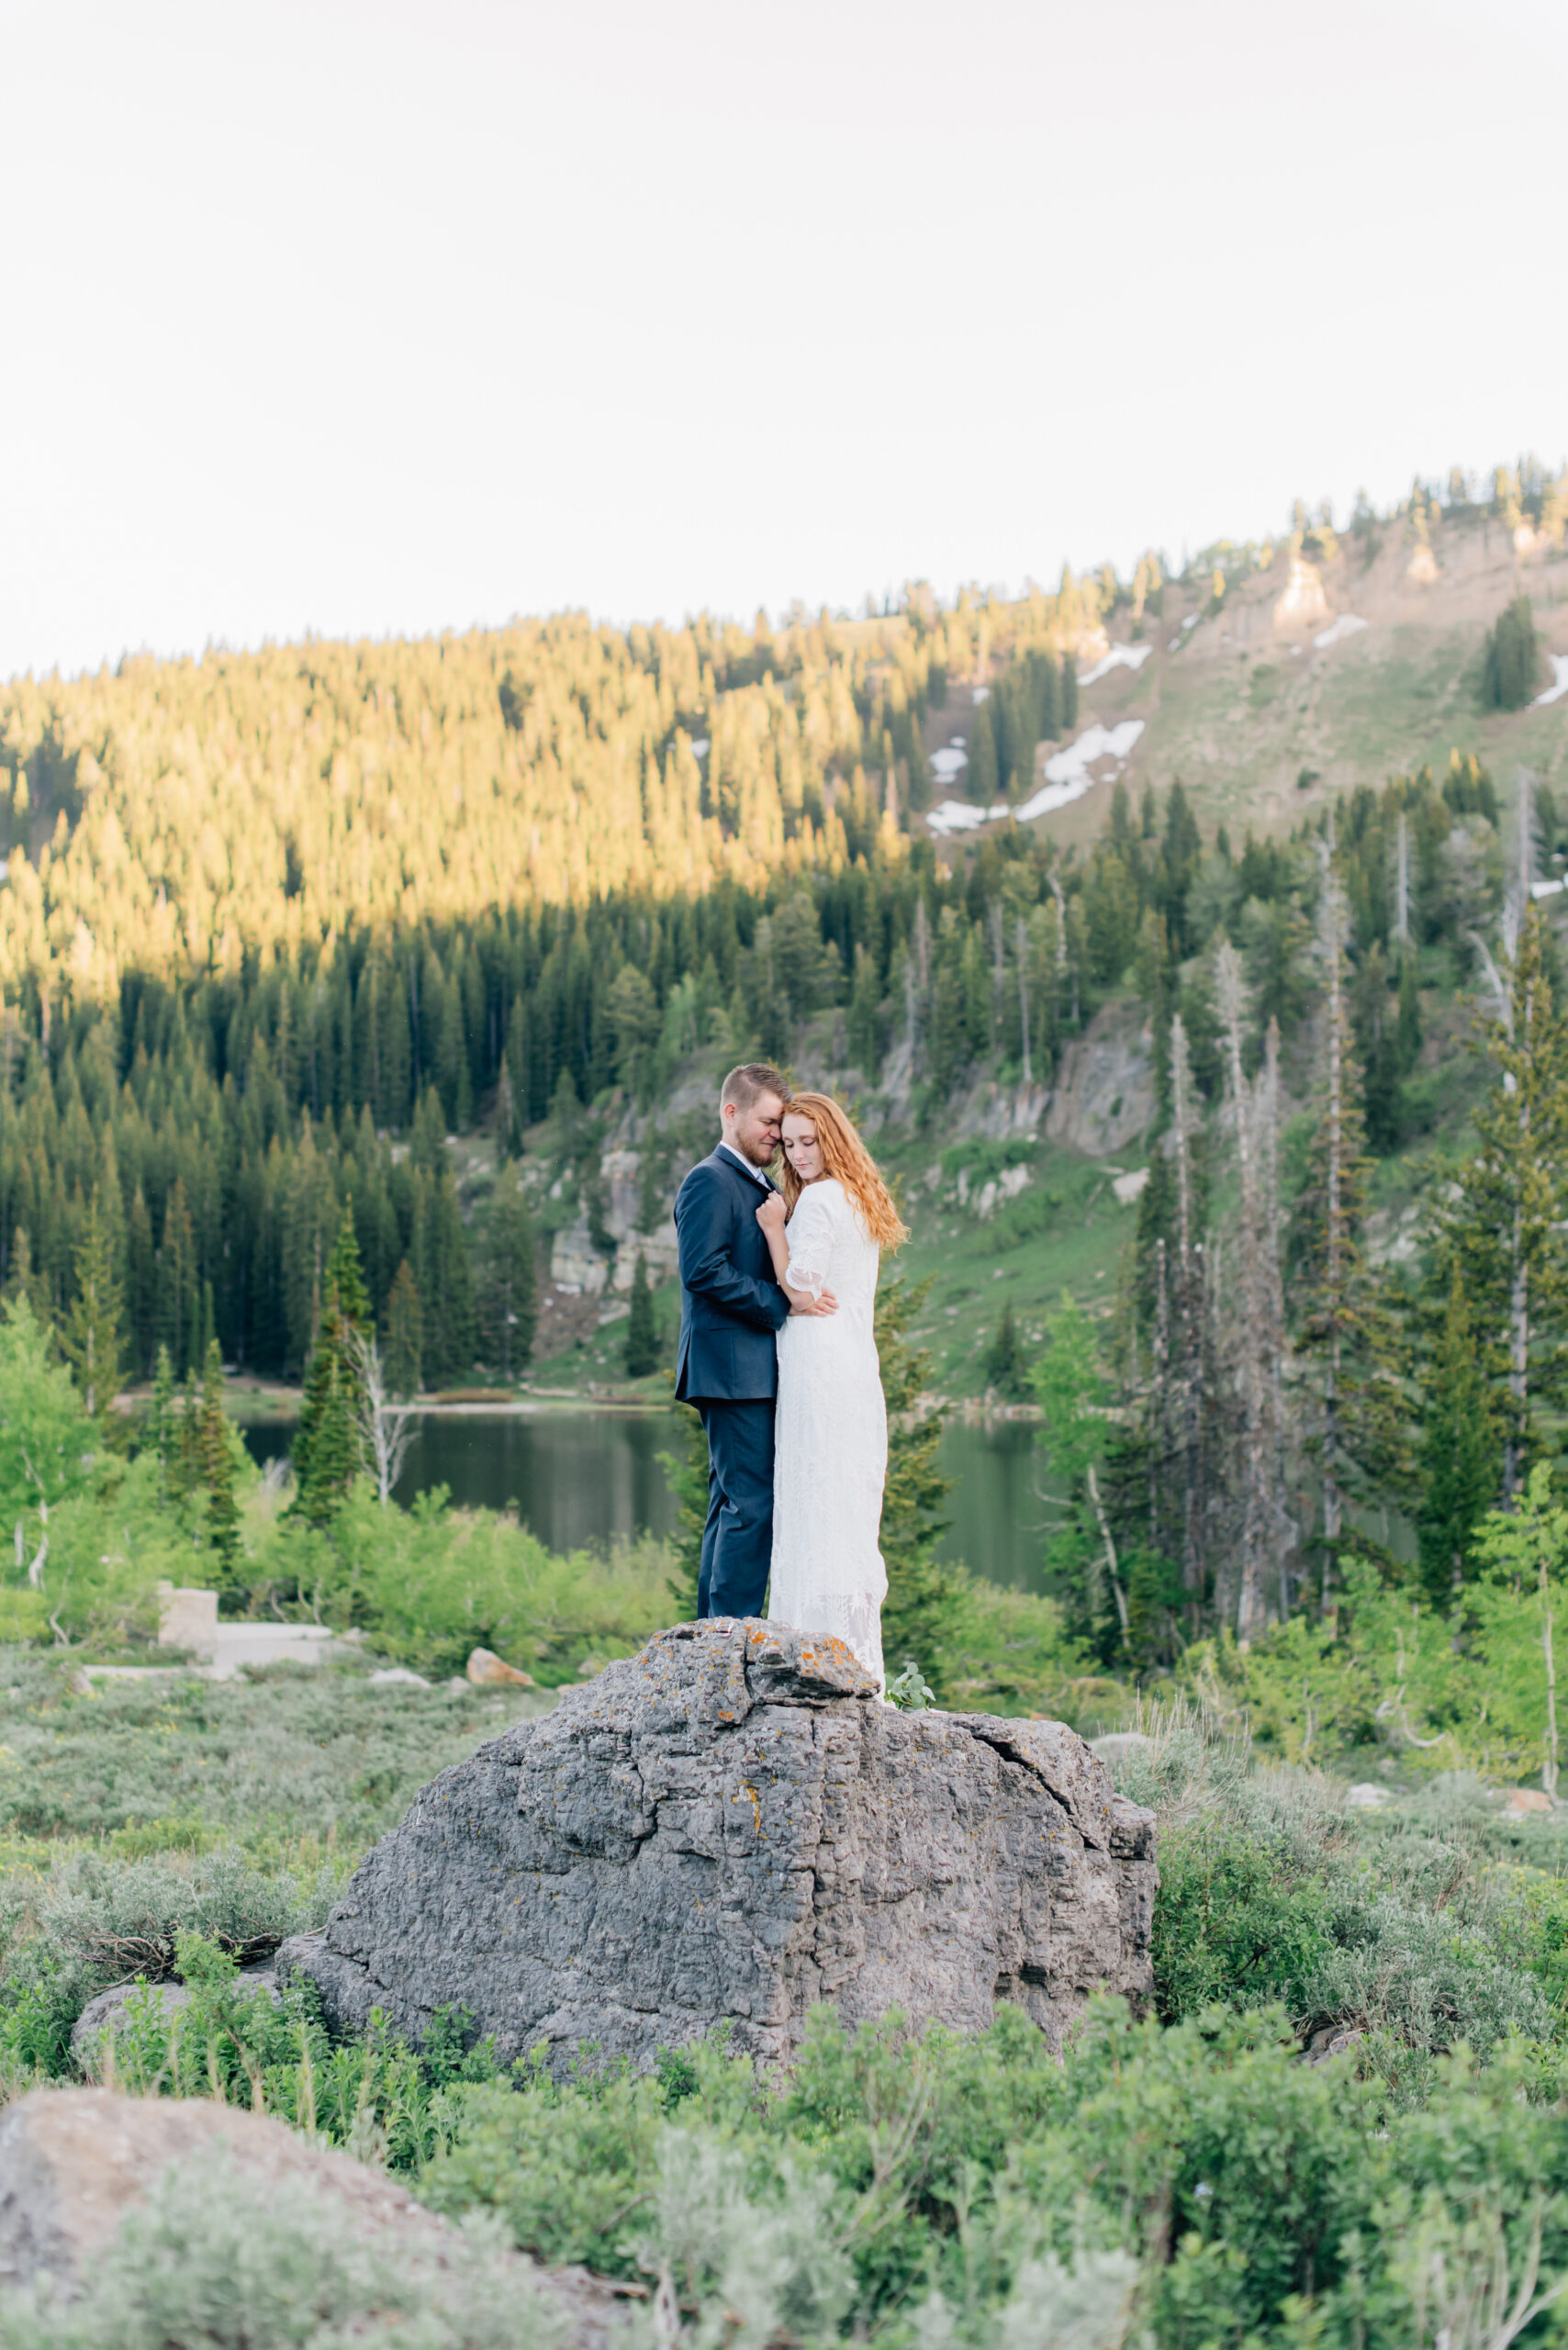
x=323, y=1750
x=218, y=2259
x=1400, y=1927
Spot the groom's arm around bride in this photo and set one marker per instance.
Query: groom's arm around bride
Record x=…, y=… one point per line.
x=731, y=1309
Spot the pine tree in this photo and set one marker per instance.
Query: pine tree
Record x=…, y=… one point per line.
x=1346, y=1331
x=1505, y=1226
x=1460, y=1450
x=91, y=1340
x=1510, y=659
x=1004, y=1367
x=686, y=1474
x=927, y=1602
x=142, y=1298
x=405, y=1333
x=178, y=1290
x=160, y=1433
x=1256, y=1331
x=446, y=1283
x=217, y=1465
x=508, y=1278
x=641, y=1332
x=25, y=1279
x=329, y=1445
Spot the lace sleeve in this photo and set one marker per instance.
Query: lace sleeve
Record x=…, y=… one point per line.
x=812, y=1231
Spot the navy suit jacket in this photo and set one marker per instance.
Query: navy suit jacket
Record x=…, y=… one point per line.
x=730, y=1306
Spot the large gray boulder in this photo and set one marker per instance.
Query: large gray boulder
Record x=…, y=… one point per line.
x=730, y=1827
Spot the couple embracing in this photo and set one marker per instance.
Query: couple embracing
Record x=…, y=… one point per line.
x=777, y=1285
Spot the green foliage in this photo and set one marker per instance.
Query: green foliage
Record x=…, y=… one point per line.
x=92, y=1339
x=926, y=1598
x=328, y=1445
x=1510, y=661
x=686, y=1474
x=1074, y=1394
x=1005, y=1366
x=508, y=1278
x=322, y=1753
x=642, y=1331
x=1460, y=1453
x=45, y=1435
x=405, y=1333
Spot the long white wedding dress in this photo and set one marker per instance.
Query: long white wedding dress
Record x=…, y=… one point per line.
x=830, y=1440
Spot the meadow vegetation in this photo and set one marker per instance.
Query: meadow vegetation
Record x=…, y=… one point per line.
x=339, y=982
x=1187, y=2177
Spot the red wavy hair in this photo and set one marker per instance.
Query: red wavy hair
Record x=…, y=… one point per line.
x=846, y=1156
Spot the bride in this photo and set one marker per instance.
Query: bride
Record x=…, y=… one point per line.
x=825, y=1234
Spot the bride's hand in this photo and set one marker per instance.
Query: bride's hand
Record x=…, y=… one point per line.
x=802, y=1302
x=773, y=1215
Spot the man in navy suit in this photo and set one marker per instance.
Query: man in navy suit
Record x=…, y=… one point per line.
x=731, y=1311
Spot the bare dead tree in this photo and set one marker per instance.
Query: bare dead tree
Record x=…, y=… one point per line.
x=387, y=1428
x=1255, y=1322
x=1021, y=954
x=998, y=965
x=1190, y=1321
x=1402, y=881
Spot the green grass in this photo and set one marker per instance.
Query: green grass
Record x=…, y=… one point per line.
x=1065, y=1230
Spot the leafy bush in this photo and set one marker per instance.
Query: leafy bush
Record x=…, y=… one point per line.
x=233, y=2039
x=429, y=1583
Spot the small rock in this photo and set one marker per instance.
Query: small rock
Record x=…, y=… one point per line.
x=1332, y=2039
x=484, y=1665
x=1366, y=1795
x=107, y=2013
x=400, y=1674
x=1521, y=1800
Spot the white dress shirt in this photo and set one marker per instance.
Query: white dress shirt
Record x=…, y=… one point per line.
x=755, y=1172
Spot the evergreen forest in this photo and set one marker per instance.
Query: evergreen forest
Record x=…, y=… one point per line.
x=361, y=1007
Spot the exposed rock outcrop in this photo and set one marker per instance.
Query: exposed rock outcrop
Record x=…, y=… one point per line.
x=730, y=1826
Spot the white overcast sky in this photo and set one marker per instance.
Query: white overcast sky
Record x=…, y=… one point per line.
x=391, y=318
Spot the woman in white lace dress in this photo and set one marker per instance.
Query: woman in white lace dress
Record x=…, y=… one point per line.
x=826, y=1235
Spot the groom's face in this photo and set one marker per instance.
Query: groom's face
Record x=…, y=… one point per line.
x=755, y=1129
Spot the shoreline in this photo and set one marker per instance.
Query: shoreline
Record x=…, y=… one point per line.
x=263, y=1403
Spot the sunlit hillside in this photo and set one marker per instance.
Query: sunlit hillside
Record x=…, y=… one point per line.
x=170, y=816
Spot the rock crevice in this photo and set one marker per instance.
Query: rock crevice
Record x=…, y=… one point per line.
x=729, y=1826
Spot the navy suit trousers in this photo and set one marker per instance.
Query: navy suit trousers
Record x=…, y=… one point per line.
x=737, y=1540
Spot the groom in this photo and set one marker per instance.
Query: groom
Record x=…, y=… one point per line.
x=731, y=1312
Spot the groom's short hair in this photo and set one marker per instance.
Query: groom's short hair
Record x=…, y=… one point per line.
x=749, y=1082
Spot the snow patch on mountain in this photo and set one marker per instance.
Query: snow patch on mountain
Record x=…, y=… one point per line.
x=1120, y=656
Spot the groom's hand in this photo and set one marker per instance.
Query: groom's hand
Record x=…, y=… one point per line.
x=802, y=1302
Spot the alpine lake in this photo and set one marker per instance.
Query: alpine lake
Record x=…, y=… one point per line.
x=580, y=1478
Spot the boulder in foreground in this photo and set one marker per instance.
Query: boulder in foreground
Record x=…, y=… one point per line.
x=729, y=1826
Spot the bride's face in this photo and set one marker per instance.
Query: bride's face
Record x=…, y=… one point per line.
x=800, y=1147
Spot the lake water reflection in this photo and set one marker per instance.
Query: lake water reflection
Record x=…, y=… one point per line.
x=586, y=1477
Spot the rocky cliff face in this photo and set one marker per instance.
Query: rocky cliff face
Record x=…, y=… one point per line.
x=729, y=1825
